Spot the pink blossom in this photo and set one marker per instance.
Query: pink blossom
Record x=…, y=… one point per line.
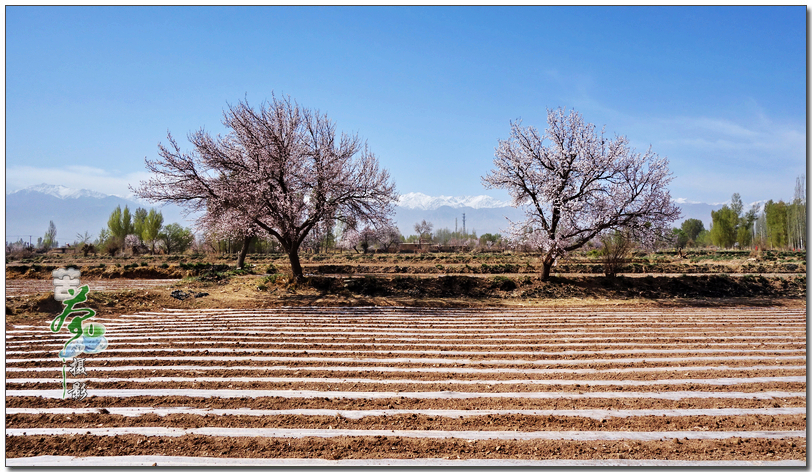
x=281, y=170
x=575, y=183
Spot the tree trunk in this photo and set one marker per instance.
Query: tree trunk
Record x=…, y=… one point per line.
x=547, y=264
x=244, y=251
x=295, y=266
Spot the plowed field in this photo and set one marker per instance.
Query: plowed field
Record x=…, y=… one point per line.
x=417, y=386
x=15, y=288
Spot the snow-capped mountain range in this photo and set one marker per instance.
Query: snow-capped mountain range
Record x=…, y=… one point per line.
x=61, y=192
x=421, y=201
x=73, y=211
x=411, y=200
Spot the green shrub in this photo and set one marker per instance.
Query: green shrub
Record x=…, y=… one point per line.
x=503, y=283
x=274, y=279
x=247, y=270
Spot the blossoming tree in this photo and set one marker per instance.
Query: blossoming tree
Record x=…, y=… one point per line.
x=388, y=236
x=231, y=225
x=280, y=167
x=575, y=184
x=350, y=238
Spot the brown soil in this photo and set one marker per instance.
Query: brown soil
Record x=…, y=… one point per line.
x=302, y=379
x=436, y=263
x=394, y=447
x=419, y=422
x=276, y=403
x=572, y=268
x=444, y=292
x=582, y=293
x=292, y=350
x=366, y=387
x=526, y=288
x=43, y=272
x=21, y=287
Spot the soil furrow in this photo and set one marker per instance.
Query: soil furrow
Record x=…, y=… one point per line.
x=395, y=447
x=367, y=394
x=26, y=346
x=610, y=384
x=398, y=402
x=358, y=414
x=186, y=461
x=516, y=356
x=299, y=338
x=416, y=422
x=411, y=433
x=435, y=374
x=460, y=333
x=258, y=384
x=373, y=362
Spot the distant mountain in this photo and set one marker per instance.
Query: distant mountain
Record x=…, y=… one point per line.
x=60, y=191
x=488, y=215
x=483, y=214
x=481, y=220
x=73, y=211
x=420, y=201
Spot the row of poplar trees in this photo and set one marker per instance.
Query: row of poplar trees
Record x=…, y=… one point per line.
x=778, y=225
x=144, y=229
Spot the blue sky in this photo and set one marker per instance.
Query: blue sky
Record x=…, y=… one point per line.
x=720, y=91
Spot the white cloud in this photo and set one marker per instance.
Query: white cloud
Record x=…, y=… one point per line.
x=87, y=170
x=76, y=177
x=748, y=135
x=712, y=157
x=724, y=144
x=417, y=200
x=682, y=200
x=715, y=126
